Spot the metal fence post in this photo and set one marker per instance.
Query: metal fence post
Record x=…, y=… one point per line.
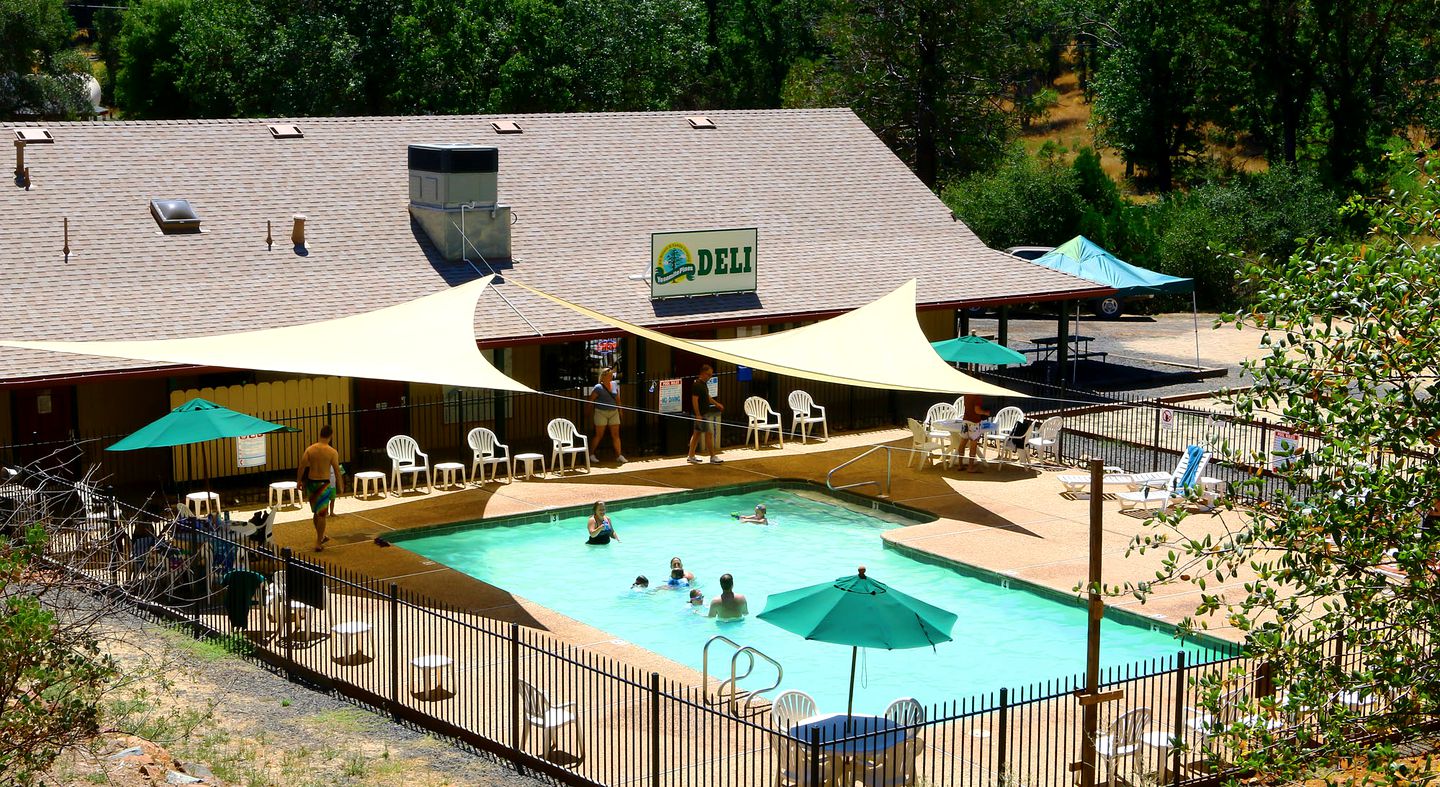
x=515, y=686
x=655, y=729
x=395, y=650
x=814, y=763
x=285, y=613
x=1002, y=746
x=112, y=519
x=1179, y=730
x=1155, y=446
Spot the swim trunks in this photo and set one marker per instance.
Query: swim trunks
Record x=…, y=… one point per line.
x=321, y=493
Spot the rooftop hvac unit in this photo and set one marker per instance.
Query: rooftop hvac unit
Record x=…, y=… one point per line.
x=450, y=175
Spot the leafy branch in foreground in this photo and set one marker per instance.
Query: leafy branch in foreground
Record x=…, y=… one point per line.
x=1340, y=567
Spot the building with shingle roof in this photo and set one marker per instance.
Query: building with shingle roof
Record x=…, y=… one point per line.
x=839, y=221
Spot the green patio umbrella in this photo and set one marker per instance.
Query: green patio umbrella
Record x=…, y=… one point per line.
x=196, y=421
x=973, y=349
x=859, y=612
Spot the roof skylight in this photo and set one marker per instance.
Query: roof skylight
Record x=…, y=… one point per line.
x=286, y=131
x=507, y=127
x=174, y=215
x=699, y=121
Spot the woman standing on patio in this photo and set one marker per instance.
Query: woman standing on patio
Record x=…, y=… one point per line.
x=606, y=398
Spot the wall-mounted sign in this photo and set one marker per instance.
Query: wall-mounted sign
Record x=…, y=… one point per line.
x=672, y=396
x=250, y=450
x=701, y=263
x=1167, y=419
x=1284, y=449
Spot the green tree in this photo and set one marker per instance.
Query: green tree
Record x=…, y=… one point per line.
x=147, y=82
x=31, y=31
x=52, y=674
x=1159, y=81
x=448, y=56
x=930, y=77
x=1025, y=202
x=1352, y=350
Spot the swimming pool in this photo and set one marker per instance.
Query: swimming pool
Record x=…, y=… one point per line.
x=1004, y=636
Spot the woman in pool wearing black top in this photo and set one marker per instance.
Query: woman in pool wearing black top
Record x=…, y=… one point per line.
x=601, y=530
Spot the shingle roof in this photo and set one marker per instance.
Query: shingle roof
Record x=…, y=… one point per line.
x=841, y=221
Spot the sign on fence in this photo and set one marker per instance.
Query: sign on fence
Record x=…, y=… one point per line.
x=250, y=450
x=672, y=396
x=1167, y=419
x=1284, y=449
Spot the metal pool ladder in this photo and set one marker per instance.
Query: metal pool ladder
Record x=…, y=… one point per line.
x=728, y=691
x=884, y=490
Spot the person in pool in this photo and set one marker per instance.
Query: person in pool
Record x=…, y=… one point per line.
x=696, y=598
x=641, y=583
x=729, y=605
x=600, y=527
x=679, y=577
x=758, y=518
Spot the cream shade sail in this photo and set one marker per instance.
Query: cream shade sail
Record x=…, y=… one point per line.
x=379, y=345
x=879, y=345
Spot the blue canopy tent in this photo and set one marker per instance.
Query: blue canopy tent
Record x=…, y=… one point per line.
x=1081, y=257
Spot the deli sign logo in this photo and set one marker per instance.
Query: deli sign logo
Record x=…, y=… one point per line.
x=704, y=262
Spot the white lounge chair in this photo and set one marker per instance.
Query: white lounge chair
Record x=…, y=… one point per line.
x=406, y=458
x=566, y=440
x=1121, y=740
x=758, y=418
x=803, y=415
x=1187, y=477
x=1044, y=442
x=790, y=707
x=921, y=444
x=1078, y=484
x=490, y=453
x=548, y=717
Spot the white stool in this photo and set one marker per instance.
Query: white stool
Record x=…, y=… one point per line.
x=429, y=673
x=529, y=461
x=284, y=493
x=362, y=633
x=445, y=474
x=369, y=483
x=204, y=503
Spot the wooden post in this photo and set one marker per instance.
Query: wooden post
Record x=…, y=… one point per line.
x=1091, y=710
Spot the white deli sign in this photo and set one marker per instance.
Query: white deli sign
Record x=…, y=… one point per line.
x=704, y=262
x=250, y=450
x=672, y=396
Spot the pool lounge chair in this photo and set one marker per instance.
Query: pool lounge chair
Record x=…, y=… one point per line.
x=1181, y=483
x=1077, y=484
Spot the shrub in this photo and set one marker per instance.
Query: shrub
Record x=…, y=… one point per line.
x=1027, y=201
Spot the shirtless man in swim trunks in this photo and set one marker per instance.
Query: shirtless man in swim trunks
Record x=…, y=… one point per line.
x=317, y=464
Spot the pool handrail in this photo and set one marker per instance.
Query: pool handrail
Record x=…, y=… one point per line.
x=732, y=683
x=884, y=490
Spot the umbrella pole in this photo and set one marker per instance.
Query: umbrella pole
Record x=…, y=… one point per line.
x=850, y=704
x=1195, y=315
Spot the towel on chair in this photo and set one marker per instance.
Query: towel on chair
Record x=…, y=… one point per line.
x=1189, y=478
x=240, y=595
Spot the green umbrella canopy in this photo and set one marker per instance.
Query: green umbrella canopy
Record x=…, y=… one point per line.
x=860, y=612
x=973, y=349
x=195, y=422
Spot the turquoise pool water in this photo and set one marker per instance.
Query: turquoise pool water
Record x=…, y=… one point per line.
x=1004, y=637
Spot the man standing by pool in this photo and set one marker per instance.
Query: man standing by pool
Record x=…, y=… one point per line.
x=729, y=605
x=707, y=415
x=318, y=465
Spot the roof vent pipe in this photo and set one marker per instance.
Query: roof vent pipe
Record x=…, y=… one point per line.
x=297, y=235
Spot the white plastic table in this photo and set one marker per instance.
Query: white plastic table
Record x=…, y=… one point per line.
x=445, y=474
x=368, y=483
x=201, y=503
x=529, y=461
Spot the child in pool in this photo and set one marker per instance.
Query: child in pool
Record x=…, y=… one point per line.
x=602, y=531
x=679, y=577
x=758, y=518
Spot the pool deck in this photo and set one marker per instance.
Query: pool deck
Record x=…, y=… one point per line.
x=1010, y=519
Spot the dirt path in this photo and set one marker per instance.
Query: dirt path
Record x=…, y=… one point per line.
x=248, y=726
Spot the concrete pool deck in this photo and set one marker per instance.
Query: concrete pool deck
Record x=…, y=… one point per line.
x=1011, y=520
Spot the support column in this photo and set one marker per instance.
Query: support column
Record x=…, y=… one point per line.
x=501, y=398
x=962, y=322
x=1004, y=326
x=642, y=396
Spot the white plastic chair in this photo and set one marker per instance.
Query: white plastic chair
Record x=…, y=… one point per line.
x=489, y=453
x=790, y=707
x=803, y=417
x=941, y=411
x=1122, y=740
x=793, y=764
x=959, y=407
x=548, y=717
x=894, y=767
x=906, y=712
x=758, y=417
x=921, y=445
x=1044, y=441
x=1004, y=421
x=566, y=440
x=406, y=459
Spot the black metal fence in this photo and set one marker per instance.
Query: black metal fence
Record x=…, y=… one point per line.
x=574, y=716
